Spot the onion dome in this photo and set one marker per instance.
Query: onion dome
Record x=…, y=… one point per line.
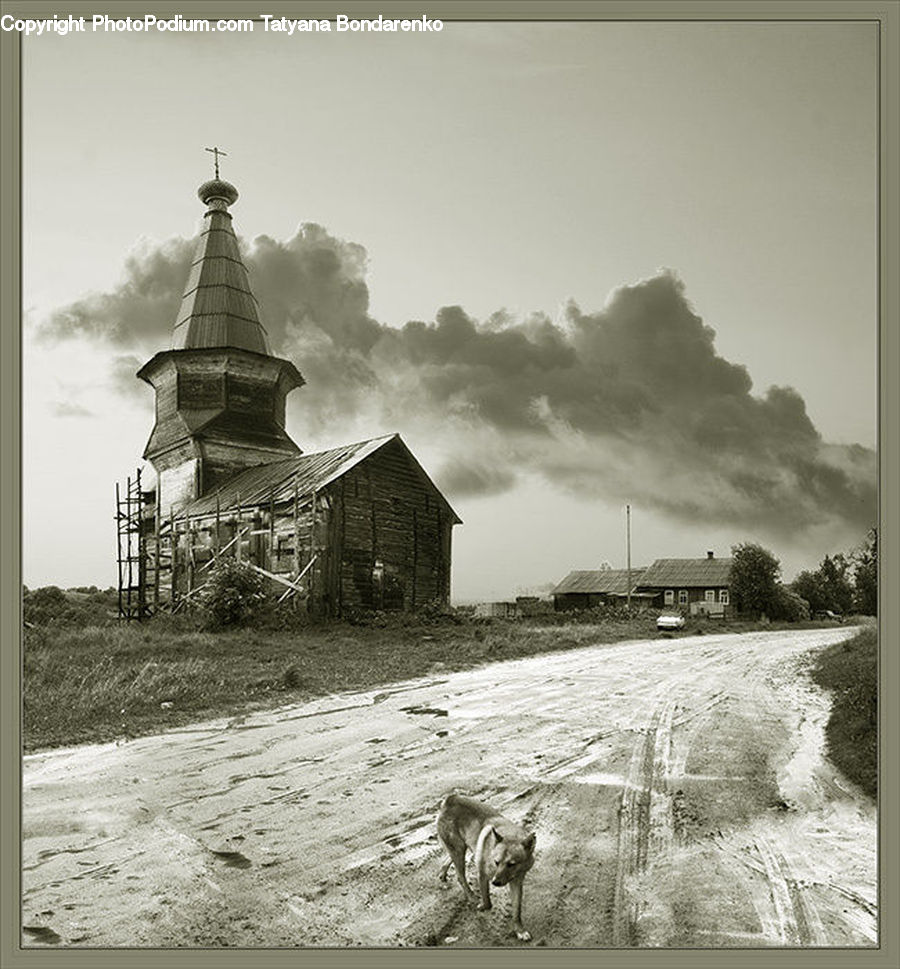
x=217, y=190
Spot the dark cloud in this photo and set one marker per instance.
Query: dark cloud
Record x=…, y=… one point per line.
x=140, y=312
x=466, y=476
x=629, y=402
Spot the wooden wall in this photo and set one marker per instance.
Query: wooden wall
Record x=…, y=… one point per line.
x=391, y=535
x=377, y=538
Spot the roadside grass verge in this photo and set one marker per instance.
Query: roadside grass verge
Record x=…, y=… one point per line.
x=850, y=669
x=100, y=683
x=97, y=684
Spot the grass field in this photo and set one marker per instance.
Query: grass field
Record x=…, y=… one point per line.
x=850, y=669
x=99, y=683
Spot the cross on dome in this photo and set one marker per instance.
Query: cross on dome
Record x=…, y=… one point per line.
x=216, y=151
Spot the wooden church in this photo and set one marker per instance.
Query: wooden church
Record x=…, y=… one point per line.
x=356, y=527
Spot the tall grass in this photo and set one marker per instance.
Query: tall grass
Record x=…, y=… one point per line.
x=101, y=683
x=85, y=684
x=850, y=669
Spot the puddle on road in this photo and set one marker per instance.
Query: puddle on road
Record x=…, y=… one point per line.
x=42, y=933
x=234, y=859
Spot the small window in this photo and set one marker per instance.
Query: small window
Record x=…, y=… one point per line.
x=669, y=597
x=710, y=595
x=723, y=596
x=682, y=597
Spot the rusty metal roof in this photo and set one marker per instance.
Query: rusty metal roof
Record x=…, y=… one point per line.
x=686, y=574
x=604, y=581
x=218, y=309
x=280, y=481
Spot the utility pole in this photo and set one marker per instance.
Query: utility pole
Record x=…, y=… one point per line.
x=628, y=545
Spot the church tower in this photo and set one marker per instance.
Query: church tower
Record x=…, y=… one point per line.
x=220, y=393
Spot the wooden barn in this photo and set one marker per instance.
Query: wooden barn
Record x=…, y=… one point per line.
x=355, y=527
x=586, y=589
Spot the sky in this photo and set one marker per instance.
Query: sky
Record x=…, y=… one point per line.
x=576, y=266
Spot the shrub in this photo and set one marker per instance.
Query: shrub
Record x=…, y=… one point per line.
x=293, y=677
x=789, y=606
x=51, y=606
x=234, y=594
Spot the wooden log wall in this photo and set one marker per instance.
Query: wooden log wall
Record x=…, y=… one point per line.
x=390, y=536
x=380, y=536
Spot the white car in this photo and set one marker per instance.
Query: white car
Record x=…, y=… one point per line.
x=670, y=621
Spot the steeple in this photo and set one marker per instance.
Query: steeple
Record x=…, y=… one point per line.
x=220, y=394
x=218, y=309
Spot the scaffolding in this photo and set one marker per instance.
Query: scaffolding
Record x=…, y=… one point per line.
x=134, y=563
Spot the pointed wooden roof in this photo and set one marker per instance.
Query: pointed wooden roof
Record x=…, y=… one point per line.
x=218, y=309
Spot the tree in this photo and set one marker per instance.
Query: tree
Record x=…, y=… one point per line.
x=835, y=572
x=808, y=585
x=829, y=587
x=754, y=580
x=865, y=575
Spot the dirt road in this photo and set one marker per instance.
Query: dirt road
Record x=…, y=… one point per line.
x=676, y=788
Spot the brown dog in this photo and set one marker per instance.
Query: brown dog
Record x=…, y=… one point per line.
x=504, y=850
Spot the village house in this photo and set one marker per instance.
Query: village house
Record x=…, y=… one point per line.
x=691, y=586
x=360, y=526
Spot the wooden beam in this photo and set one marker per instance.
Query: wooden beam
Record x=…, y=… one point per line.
x=296, y=528
x=276, y=578
x=271, y=559
x=185, y=598
x=313, y=551
x=296, y=588
x=224, y=549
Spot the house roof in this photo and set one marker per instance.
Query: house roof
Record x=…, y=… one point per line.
x=608, y=581
x=686, y=574
x=282, y=480
x=218, y=309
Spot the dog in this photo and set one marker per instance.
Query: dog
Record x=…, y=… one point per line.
x=504, y=851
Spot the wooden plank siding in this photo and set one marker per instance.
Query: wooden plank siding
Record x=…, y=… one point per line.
x=380, y=535
x=393, y=539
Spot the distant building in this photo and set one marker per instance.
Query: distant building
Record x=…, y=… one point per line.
x=587, y=589
x=691, y=586
x=496, y=610
x=358, y=526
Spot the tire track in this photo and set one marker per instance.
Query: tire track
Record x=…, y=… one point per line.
x=645, y=817
x=784, y=905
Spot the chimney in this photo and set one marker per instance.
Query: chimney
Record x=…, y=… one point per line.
x=710, y=555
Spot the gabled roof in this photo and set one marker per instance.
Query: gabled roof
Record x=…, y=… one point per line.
x=686, y=574
x=218, y=309
x=605, y=581
x=282, y=480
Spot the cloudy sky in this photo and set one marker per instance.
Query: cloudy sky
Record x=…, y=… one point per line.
x=574, y=265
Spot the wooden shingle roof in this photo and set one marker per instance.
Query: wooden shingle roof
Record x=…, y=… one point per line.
x=686, y=574
x=283, y=480
x=603, y=581
x=218, y=309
